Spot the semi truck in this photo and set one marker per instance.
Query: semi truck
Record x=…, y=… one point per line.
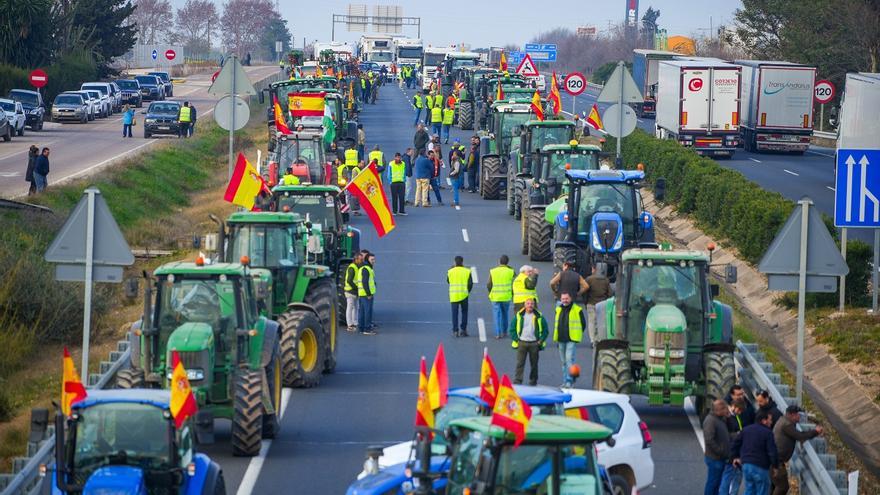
x=858, y=125
x=408, y=51
x=434, y=56
x=698, y=105
x=777, y=105
x=645, y=71
x=377, y=48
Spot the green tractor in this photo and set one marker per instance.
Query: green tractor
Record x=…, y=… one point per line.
x=232, y=354
x=496, y=145
x=663, y=334
x=547, y=185
x=345, y=130
x=468, y=79
x=533, y=136
x=304, y=152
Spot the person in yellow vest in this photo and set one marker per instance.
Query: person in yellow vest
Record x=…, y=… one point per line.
x=366, y=292
x=525, y=286
x=398, y=185
x=344, y=171
x=528, y=333
x=379, y=157
x=184, y=120
x=448, y=117
x=568, y=330
x=460, y=285
x=429, y=105
x=436, y=119
x=418, y=104
x=289, y=179
x=350, y=286
x=500, y=287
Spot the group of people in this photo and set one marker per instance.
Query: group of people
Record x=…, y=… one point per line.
x=408, y=76
x=37, y=169
x=370, y=83
x=439, y=112
x=745, y=445
x=429, y=161
x=360, y=289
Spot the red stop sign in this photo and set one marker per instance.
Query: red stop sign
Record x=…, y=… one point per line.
x=170, y=54
x=38, y=78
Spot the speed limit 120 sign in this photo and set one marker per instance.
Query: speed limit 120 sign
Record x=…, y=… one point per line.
x=824, y=91
x=575, y=83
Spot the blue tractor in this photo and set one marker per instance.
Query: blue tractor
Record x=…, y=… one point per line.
x=126, y=442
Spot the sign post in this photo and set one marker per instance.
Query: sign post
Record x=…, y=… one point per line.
x=575, y=83
x=231, y=81
x=823, y=93
x=620, y=90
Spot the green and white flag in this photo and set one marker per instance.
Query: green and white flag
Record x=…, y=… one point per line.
x=329, y=125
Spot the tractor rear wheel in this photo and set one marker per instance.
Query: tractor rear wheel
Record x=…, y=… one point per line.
x=612, y=372
x=272, y=422
x=490, y=186
x=466, y=115
x=247, y=414
x=322, y=296
x=511, y=189
x=302, y=348
x=540, y=236
x=518, y=187
x=130, y=378
x=720, y=376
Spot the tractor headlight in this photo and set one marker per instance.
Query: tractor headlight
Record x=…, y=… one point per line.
x=618, y=243
x=657, y=352
x=191, y=374
x=595, y=239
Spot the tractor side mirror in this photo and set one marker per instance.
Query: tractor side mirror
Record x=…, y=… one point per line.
x=730, y=274
x=132, y=288
x=715, y=290
x=660, y=189
x=204, y=427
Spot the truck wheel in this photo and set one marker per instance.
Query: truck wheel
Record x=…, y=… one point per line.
x=612, y=372
x=302, y=348
x=130, y=378
x=466, y=115
x=489, y=186
x=21, y=131
x=247, y=414
x=540, y=236
x=720, y=376
x=322, y=296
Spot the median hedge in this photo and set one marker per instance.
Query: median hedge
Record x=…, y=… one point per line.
x=727, y=205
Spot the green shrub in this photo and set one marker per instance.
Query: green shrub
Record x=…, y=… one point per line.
x=12, y=77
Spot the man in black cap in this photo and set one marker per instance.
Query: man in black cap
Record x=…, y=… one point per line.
x=786, y=435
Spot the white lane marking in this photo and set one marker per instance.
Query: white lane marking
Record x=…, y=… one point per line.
x=458, y=207
x=465, y=235
x=821, y=154
x=695, y=421
x=246, y=487
x=481, y=325
x=9, y=174
x=831, y=188
x=790, y=172
x=755, y=160
x=474, y=276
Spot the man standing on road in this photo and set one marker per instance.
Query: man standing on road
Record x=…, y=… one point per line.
x=525, y=287
x=786, y=435
x=768, y=406
x=447, y=119
x=127, y=120
x=41, y=171
x=598, y=289
x=568, y=330
x=436, y=157
x=500, y=287
x=528, y=332
x=436, y=119
x=424, y=170
x=420, y=140
x=460, y=285
x=568, y=281
x=473, y=164
x=362, y=141
x=754, y=450
x=418, y=104
x=731, y=478
x=717, y=446
x=410, y=187
x=398, y=185
x=352, y=283
x=192, y=125
x=366, y=292
x=183, y=120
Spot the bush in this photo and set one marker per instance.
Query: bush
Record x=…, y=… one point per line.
x=12, y=77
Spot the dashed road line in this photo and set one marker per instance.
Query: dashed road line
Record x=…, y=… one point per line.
x=458, y=207
x=481, y=326
x=474, y=276
x=790, y=172
x=831, y=188
x=464, y=233
x=694, y=419
x=755, y=160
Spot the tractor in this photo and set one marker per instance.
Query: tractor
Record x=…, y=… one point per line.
x=451, y=65
x=208, y=313
x=663, y=334
x=126, y=441
x=302, y=151
x=532, y=136
x=601, y=216
x=345, y=130
x=467, y=79
x=547, y=185
x=495, y=146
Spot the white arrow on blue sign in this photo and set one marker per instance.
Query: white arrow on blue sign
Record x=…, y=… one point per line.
x=857, y=190
x=155, y=54
x=532, y=46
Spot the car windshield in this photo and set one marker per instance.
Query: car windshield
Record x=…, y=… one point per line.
x=161, y=75
x=530, y=469
x=410, y=52
x=68, y=100
x=656, y=283
x=127, y=84
x=94, y=94
x=7, y=106
x=164, y=108
x=191, y=300
x=308, y=150
x=26, y=98
x=100, y=89
x=577, y=160
x=433, y=59
x=267, y=245
x=319, y=210
x=463, y=62
x=146, y=80
x=381, y=56
x=617, y=198
x=465, y=459
x=544, y=135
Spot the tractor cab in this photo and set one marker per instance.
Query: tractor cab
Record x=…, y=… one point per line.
x=532, y=137
x=322, y=206
x=301, y=152
x=504, y=125
x=554, y=160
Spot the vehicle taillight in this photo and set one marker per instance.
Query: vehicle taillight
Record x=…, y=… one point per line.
x=646, y=435
x=763, y=119
x=684, y=118
x=806, y=121
x=734, y=118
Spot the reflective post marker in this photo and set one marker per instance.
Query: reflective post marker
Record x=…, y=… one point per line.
x=802, y=296
x=87, y=300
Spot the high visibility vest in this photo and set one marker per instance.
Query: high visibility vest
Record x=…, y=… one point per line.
x=360, y=281
x=460, y=150
x=417, y=102
x=458, y=283
x=502, y=283
x=185, y=114
x=575, y=330
x=363, y=83
x=438, y=100
x=436, y=115
x=539, y=327
x=290, y=180
x=520, y=293
x=351, y=158
x=352, y=268
x=340, y=175
x=429, y=101
x=378, y=156
x=448, y=115
x=398, y=171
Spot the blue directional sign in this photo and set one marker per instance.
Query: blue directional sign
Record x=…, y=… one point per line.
x=857, y=191
x=532, y=46
x=549, y=47
x=541, y=52
x=155, y=54
x=515, y=57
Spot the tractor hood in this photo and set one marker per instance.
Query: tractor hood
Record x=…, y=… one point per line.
x=116, y=479
x=665, y=318
x=191, y=337
x=554, y=209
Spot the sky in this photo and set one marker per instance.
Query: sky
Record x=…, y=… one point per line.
x=484, y=23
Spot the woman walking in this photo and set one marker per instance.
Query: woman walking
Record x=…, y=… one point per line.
x=127, y=120
x=33, y=153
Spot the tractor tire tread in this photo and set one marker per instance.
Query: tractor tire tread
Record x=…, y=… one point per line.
x=490, y=187
x=323, y=296
x=540, y=236
x=292, y=322
x=130, y=378
x=247, y=414
x=613, y=372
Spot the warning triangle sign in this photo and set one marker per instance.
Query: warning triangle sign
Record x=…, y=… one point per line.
x=527, y=67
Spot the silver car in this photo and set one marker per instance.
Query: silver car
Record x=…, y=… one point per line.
x=93, y=103
x=71, y=106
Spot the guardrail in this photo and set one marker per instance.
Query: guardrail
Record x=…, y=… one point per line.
x=815, y=469
x=825, y=135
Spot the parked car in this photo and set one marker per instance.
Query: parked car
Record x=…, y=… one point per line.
x=93, y=103
x=166, y=81
x=32, y=103
x=72, y=106
x=14, y=114
x=161, y=118
x=152, y=88
x=116, y=94
x=103, y=108
x=131, y=92
x=5, y=127
x=108, y=101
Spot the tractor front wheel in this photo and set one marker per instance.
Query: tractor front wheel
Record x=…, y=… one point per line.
x=130, y=378
x=612, y=372
x=720, y=376
x=490, y=187
x=540, y=236
x=302, y=348
x=561, y=254
x=322, y=296
x=247, y=414
x=518, y=188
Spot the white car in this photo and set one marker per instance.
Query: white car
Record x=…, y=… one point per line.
x=108, y=98
x=92, y=101
x=14, y=114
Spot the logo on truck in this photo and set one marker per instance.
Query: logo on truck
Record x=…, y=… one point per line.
x=695, y=84
x=774, y=87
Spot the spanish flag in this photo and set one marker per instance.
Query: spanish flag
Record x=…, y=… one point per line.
x=438, y=382
x=306, y=104
x=593, y=119
x=502, y=65
x=511, y=412
x=554, y=95
x=537, y=109
x=245, y=184
x=499, y=95
x=488, y=380
x=183, y=402
x=368, y=189
x=72, y=390
x=424, y=413
x=280, y=123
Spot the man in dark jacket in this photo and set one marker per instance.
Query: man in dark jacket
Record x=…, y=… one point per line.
x=473, y=164
x=33, y=153
x=420, y=140
x=192, y=125
x=569, y=282
x=41, y=170
x=738, y=393
x=767, y=405
x=754, y=450
x=786, y=435
x=598, y=289
x=717, y=446
x=731, y=478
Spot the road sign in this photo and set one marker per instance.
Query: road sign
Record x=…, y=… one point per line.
x=543, y=56
x=857, y=189
x=154, y=54
x=532, y=46
x=232, y=80
x=619, y=81
x=824, y=91
x=613, y=116
x=38, y=78
x=225, y=109
x=575, y=83
x=170, y=54
x=549, y=47
x=527, y=67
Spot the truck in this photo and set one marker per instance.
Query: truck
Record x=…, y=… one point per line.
x=408, y=51
x=377, y=48
x=698, y=105
x=858, y=129
x=645, y=72
x=342, y=51
x=777, y=106
x=434, y=56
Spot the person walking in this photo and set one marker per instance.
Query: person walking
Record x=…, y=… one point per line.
x=528, y=332
x=460, y=285
x=420, y=140
x=446, y=120
x=127, y=120
x=366, y=292
x=717, y=440
x=568, y=281
x=473, y=164
x=41, y=171
x=786, y=435
x=462, y=153
x=183, y=120
x=351, y=286
x=418, y=104
x=435, y=155
x=436, y=119
x=768, y=405
x=424, y=170
x=568, y=330
x=194, y=117
x=33, y=153
x=500, y=287
x=456, y=176
x=731, y=477
x=410, y=187
x=598, y=289
x=362, y=141
x=398, y=185
x=525, y=287
x=755, y=452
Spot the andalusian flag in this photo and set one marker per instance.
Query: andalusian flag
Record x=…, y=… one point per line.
x=537, y=109
x=72, y=390
x=424, y=413
x=593, y=119
x=438, y=383
x=329, y=126
x=183, y=402
x=554, y=95
x=488, y=380
x=306, y=104
x=245, y=184
x=368, y=189
x=280, y=123
x=502, y=66
x=511, y=412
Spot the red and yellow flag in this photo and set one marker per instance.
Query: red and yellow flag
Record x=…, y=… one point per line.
x=593, y=119
x=438, y=383
x=183, y=402
x=306, y=104
x=511, y=412
x=368, y=188
x=72, y=390
x=502, y=65
x=488, y=380
x=424, y=413
x=499, y=95
x=537, y=108
x=280, y=123
x=245, y=184
x=554, y=95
